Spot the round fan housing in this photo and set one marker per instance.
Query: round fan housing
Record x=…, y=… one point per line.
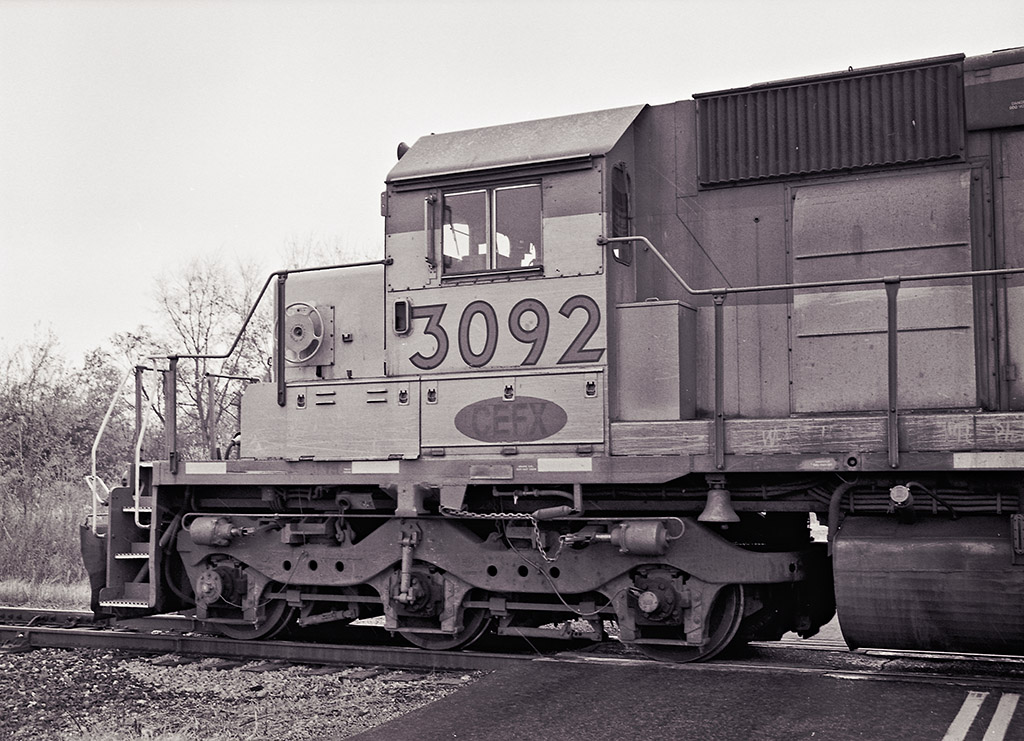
x=303, y=332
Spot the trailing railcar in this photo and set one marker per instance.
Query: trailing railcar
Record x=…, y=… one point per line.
x=611, y=364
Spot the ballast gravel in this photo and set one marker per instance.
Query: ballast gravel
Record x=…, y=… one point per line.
x=104, y=695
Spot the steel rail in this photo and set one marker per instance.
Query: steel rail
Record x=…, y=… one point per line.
x=27, y=638
x=37, y=616
x=283, y=651
x=45, y=628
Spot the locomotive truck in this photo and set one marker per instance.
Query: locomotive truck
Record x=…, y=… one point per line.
x=610, y=365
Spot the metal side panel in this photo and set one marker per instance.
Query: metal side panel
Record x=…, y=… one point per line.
x=654, y=361
x=906, y=224
x=355, y=421
x=548, y=408
x=840, y=349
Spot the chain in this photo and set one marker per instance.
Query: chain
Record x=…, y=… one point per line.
x=449, y=512
x=538, y=541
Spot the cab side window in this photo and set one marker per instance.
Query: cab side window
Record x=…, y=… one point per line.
x=621, y=214
x=492, y=229
x=464, y=232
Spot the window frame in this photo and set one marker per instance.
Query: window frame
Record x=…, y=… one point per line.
x=491, y=192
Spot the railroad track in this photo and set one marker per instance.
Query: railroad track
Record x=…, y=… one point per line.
x=34, y=616
x=26, y=629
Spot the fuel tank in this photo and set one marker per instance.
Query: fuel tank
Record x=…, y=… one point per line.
x=936, y=584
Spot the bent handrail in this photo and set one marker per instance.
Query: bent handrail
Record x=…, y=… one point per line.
x=98, y=487
x=727, y=290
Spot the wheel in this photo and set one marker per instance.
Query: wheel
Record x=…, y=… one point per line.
x=277, y=616
x=475, y=623
x=724, y=621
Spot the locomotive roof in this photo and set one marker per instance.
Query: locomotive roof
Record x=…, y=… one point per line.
x=510, y=145
x=830, y=76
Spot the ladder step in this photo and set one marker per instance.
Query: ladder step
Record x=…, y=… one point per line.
x=138, y=549
x=145, y=505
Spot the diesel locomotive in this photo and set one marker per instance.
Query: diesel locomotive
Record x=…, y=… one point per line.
x=612, y=365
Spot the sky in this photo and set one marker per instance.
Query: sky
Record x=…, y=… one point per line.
x=137, y=136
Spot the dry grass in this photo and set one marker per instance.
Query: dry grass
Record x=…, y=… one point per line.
x=39, y=539
x=49, y=596
x=40, y=558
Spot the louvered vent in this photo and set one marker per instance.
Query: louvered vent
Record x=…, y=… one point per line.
x=886, y=116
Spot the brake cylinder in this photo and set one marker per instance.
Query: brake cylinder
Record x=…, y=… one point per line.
x=644, y=538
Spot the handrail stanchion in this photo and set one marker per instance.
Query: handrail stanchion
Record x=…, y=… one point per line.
x=892, y=287
x=282, y=393
x=140, y=371
x=211, y=422
x=140, y=433
x=719, y=299
x=171, y=413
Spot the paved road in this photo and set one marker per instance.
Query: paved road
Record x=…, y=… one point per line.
x=577, y=702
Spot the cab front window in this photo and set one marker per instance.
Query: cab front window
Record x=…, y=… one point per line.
x=492, y=229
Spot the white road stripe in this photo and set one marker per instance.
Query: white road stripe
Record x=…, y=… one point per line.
x=1001, y=720
x=962, y=722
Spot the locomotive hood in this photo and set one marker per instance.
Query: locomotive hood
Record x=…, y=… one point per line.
x=513, y=145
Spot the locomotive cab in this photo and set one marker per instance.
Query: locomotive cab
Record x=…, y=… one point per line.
x=499, y=290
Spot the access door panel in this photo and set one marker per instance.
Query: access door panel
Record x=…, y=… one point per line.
x=914, y=223
x=542, y=408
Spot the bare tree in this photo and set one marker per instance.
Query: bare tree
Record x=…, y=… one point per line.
x=205, y=306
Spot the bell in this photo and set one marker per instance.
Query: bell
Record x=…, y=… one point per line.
x=719, y=507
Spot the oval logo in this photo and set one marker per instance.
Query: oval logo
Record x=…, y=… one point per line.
x=521, y=420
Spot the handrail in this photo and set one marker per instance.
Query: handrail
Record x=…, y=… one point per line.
x=136, y=477
x=726, y=290
x=93, y=480
x=430, y=229
x=171, y=377
x=891, y=284
x=210, y=419
x=276, y=274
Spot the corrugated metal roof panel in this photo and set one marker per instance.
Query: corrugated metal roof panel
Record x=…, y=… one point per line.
x=890, y=115
x=530, y=142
